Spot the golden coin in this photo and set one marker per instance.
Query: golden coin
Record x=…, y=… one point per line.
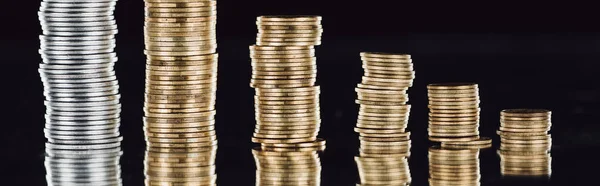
x=449, y=96
x=183, y=135
x=451, y=99
x=379, y=103
x=181, y=140
x=297, y=119
x=382, y=127
x=525, y=126
x=518, y=145
x=294, y=102
x=289, y=27
x=207, y=83
x=180, y=87
x=386, y=107
x=386, y=60
x=180, y=130
x=386, y=72
x=281, y=56
x=457, y=103
x=180, y=125
x=181, y=14
x=283, y=141
x=206, y=44
x=288, y=23
x=383, y=139
x=204, y=9
x=283, y=73
x=208, y=62
x=286, y=107
x=182, y=49
x=386, y=64
x=391, y=76
x=525, y=122
x=183, y=115
x=514, y=137
x=183, y=30
x=288, y=94
x=307, y=51
x=281, y=49
x=181, y=73
x=526, y=113
x=446, y=139
x=512, y=118
x=208, y=101
x=369, y=80
x=305, y=76
x=364, y=110
x=276, y=82
x=391, y=135
x=179, y=78
x=454, y=122
x=177, y=120
x=384, y=55
x=383, y=93
x=398, y=68
x=480, y=141
x=384, y=115
x=380, y=124
x=311, y=31
x=456, y=115
x=174, y=92
x=389, y=85
x=180, y=19
x=314, y=35
x=384, y=87
x=454, y=119
x=452, y=86
x=183, y=53
x=513, y=141
x=285, y=136
x=386, y=143
x=453, y=91
x=172, y=111
x=378, y=131
x=285, y=39
x=288, y=43
x=179, y=3
x=284, y=65
x=285, y=98
x=452, y=107
x=162, y=34
x=286, y=128
x=299, y=115
x=384, y=119
x=287, y=18
x=296, y=60
x=525, y=130
x=453, y=127
x=179, y=150
x=458, y=111
x=434, y=131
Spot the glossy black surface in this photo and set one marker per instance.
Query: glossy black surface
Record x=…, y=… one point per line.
x=518, y=57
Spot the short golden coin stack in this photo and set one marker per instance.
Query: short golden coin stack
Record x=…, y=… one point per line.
x=180, y=168
x=284, y=72
x=454, y=167
x=454, y=113
x=181, y=83
x=525, y=143
x=288, y=166
x=383, y=115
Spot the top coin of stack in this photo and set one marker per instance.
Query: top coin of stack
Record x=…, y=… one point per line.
x=80, y=86
x=181, y=75
x=453, y=112
x=524, y=142
x=454, y=167
x=284, y=73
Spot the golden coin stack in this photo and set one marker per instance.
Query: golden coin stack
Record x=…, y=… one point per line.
x=284, y=72
x=383, y=115
x=453, y=112
x=525, y=143
x=454, y=167
x=181, y=74
x=288, y=166
x=180, y=168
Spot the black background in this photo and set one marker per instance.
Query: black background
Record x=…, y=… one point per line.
x=540, y=55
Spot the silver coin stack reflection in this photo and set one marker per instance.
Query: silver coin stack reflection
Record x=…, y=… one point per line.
x=81, y=90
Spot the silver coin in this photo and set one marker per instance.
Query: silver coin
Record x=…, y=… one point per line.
x=75, y=161
x=44, y=43
x=79, y=128
x=91, y=80
x=79, y=14
x=75, y=10
x=81, y=118
x=84, y=109
x=86, y=38
x=80, y=66
x=86, y=142
x=77, y=24
x=83, y=175
x=82, y=33
x=81, y=57
x=75, y=71
x=82, y=147
x=85, y=99
x=80, y=94
x=86, y=61
x=75, y=19
x=77, y=4
x=81, y=166
x=79, y=76
x=86, y=137
x=81, y=29
x=78, y=48
x=95, y=113
x=81, y=85
x=80, y=134
x=75, y=52
x=96, y=183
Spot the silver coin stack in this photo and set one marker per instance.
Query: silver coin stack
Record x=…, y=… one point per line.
x=80, y=86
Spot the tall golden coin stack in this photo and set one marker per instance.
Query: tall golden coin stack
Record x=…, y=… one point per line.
x=453, y=166
x=181, y=76
x=384, y=112
x=525, y=143
x=453, y=112
x=284, y=72
x=288, y=166
x=180, y=168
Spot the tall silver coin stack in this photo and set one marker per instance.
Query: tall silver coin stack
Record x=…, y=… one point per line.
x=81, y=90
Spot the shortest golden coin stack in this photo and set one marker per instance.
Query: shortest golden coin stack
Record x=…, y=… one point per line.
x=284, y=73
x=454, y=114
x=525, y=142
x=384, y=114
x=454, y=167
x=288, y=166
x=180, y=168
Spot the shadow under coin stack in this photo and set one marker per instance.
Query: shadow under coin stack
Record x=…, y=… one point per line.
x=82, y=92
x=384, y=114
x=284, y=72
x=454, y=113
x=181, y=168
x=454, y=167
x=181, y=85
x=525, y=143
x=288, y=166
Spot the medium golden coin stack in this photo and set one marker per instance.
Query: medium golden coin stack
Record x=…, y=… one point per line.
x=180, y=168
x=453, y=112
x=454, y=167
x=181, y=75
x=288, y=166
x=284, y=72
x=383, y=115
x=525, y=143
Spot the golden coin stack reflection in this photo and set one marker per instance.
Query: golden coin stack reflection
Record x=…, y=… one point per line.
x=284, y=72
x=181, y=75
x=453, y=112
x=383, y=115
x=181, y=168
x=525, y=143
x=453, y=166
x=383, y=169
x=288, y=166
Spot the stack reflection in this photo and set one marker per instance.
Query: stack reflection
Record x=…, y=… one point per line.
x=288, y=166
x=454, y=166
x=195, y=167
x=75, y=167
